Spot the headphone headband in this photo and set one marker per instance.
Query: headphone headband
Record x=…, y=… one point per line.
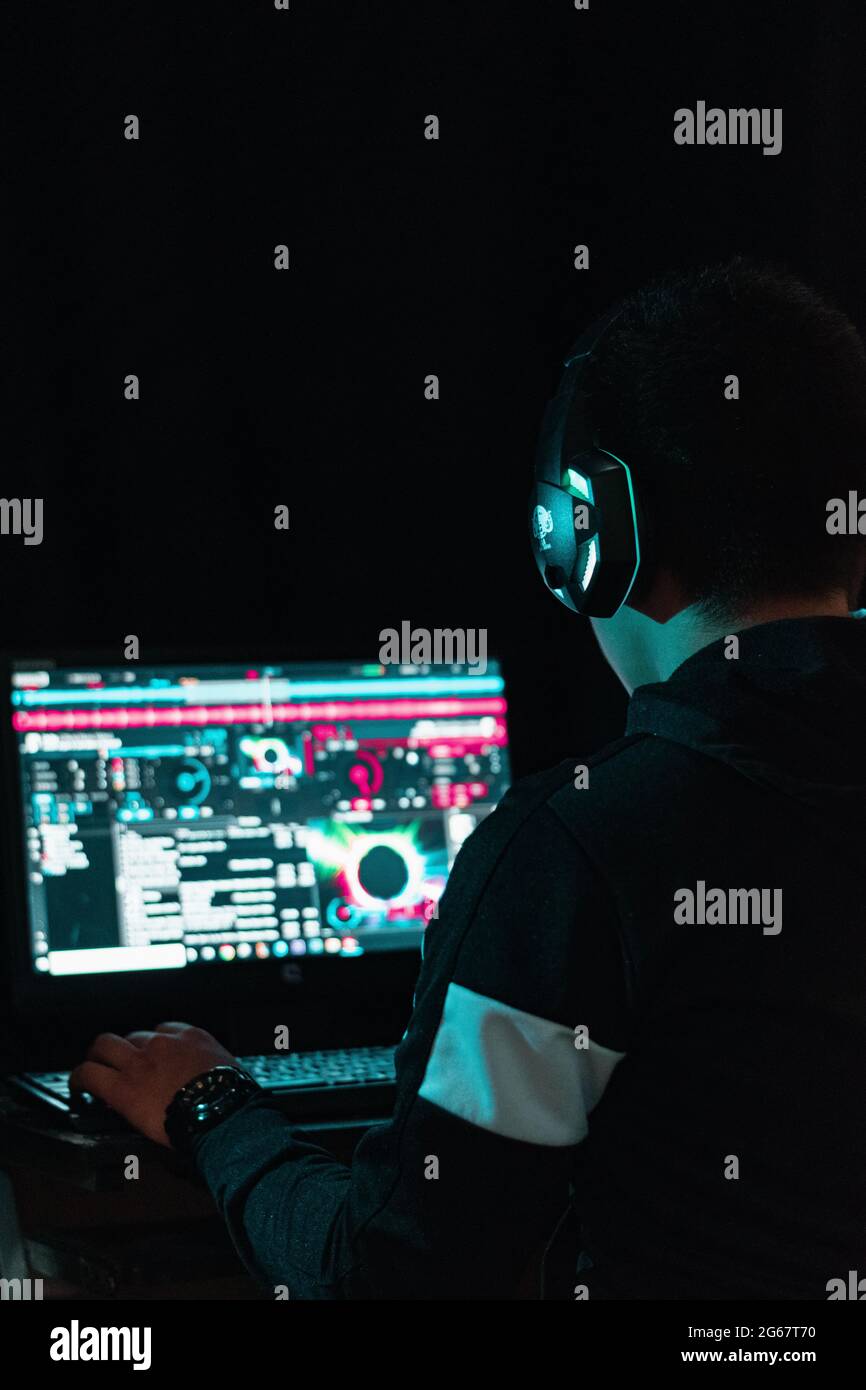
x=585, y=345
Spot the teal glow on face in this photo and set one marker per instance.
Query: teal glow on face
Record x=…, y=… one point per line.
x=579, y=483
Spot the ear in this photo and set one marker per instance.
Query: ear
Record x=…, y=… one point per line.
x=664, y=598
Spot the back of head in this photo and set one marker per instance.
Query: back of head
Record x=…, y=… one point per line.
x=736, y=481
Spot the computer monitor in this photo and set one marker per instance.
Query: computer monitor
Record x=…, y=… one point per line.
x=192, y=817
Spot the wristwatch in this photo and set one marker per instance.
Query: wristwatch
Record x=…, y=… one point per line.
x=204, y=1102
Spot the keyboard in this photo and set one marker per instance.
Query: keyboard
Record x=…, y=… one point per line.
x=347, y=1081
x=345, y=1066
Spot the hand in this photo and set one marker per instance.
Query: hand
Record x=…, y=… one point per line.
x=140, y=1074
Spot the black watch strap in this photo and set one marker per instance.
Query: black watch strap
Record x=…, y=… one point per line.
x=204, y=1102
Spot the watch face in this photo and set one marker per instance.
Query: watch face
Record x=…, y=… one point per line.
x=217, y=1081
x=205, y=1100
x=195, y=1099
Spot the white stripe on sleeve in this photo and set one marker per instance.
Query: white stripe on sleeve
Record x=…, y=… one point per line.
x=512, y=1073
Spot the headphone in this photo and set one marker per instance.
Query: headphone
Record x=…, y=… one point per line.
x=587, y=528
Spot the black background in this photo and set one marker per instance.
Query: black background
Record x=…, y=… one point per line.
x=408, y=257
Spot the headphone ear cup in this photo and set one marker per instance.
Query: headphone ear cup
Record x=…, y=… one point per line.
x=585, y=525
x=586, y=534
x=646, y=549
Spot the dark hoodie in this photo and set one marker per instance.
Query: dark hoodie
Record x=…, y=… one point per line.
x=645, y=996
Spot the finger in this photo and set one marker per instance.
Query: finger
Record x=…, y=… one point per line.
x=174, y=1027
x=141, y=1038
x=103, y=1082
x=110, y=1049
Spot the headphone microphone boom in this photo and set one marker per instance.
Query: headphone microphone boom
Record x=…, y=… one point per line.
x=586, y=525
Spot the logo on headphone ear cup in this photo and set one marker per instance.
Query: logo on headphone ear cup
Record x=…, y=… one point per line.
x=542, y=525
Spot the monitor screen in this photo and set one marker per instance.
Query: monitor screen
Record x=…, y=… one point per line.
x=191, y=816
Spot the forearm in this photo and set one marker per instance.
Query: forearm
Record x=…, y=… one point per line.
x=283, y=1201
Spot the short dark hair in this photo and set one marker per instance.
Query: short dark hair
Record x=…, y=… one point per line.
x=737, y=490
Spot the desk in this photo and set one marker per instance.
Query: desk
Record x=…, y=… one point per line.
x=69, y=1215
